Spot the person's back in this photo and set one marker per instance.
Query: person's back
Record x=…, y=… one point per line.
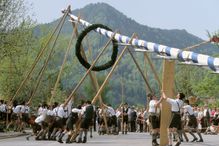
x=133, y=115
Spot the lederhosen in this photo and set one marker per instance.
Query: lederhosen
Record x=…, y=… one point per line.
x=154, y=120
x=72, y=119
x=3, y=115
x=87, y=117
x=176, y=119
x=14, y=116
x=113, y=120
x=192, y=121
x=125, y=115
x=25, y=116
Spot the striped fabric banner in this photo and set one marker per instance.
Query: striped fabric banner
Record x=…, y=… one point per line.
x=186, y=57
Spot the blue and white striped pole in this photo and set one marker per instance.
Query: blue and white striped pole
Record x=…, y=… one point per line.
x=187, y=57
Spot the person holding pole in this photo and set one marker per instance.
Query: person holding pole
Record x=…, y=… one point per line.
x=154, y=117
x=175, y=123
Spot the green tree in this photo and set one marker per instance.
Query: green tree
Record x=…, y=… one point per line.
x=208, y=86
x=16, y=45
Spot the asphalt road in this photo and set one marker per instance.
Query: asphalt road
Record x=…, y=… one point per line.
x=131, y=139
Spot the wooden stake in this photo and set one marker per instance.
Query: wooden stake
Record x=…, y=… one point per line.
x=168, y=88
x=141, y=72
x=153, y=69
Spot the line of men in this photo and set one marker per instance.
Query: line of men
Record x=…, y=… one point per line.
x=16, y=115
x=67, y=122
x=58, y=120
x=53, y=122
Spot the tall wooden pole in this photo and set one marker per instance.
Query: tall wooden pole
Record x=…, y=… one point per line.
x=168, y=88
x=112, y=70
x=93, y=79
x=122, y=89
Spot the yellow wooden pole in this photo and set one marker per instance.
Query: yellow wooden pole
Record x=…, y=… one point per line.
x=141, y=72
x=47, y=59
x=39, y=55
x=168, y=88
x=87, y=72
x=111, y=71
x=62, y=67
x=153, y=69
x=93, y=79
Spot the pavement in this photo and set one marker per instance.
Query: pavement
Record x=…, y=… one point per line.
x=131, y=139
x=12, y=134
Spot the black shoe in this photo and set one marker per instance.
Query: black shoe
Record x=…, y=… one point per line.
x=67, y=140
x=60, y=141
x=84, y=140
x=200, y=140
x=79, y=140
x=178, y=143
x=37, y=138
x=154, y=143
x=195, y=139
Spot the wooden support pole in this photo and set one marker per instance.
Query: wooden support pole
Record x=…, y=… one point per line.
x=146, y=75
x=111, y=71
x=142, y=73
x=93, y=78
x=88, y=71
x=47, y=61
x=39, y=55
x=62, y=67
x=168, y=88
x=153, y=69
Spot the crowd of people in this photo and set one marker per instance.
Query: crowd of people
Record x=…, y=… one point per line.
x=53, y=122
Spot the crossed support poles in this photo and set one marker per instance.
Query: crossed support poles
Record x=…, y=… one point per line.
x=94, y=80
x=167, y=85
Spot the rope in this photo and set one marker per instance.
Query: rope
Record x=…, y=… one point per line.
x=38, y=58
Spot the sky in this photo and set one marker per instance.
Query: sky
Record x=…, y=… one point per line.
x=195, y=16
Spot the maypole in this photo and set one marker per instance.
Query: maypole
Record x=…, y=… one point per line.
x=165, y=52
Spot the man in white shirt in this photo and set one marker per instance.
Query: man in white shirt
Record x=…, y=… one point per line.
x=192, y=123
x=175, y=124
x=154, y=117
x=207, y=116
x=112, y=118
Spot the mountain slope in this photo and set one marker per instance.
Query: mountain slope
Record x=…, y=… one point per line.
x=106, y=14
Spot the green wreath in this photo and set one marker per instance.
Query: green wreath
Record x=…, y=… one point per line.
x=78, y=49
